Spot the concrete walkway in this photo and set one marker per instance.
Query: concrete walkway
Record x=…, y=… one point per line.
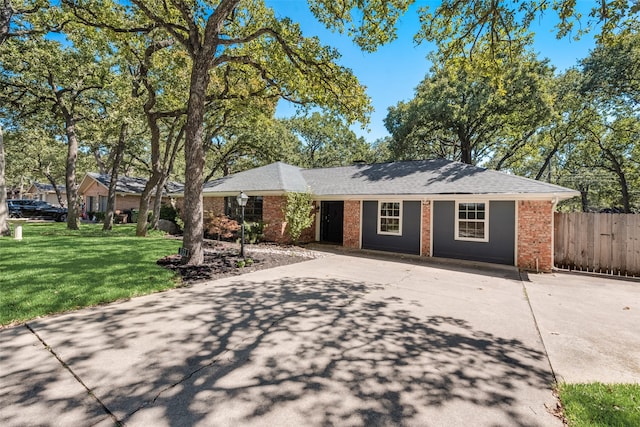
x=339, y=340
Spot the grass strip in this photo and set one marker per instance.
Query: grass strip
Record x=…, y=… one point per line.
x=601, y=405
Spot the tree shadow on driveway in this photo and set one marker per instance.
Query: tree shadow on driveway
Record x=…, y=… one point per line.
x=294, y=351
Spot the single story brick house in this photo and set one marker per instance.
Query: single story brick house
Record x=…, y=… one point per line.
x=94, y=189
x=436, y=208
x=46, y=193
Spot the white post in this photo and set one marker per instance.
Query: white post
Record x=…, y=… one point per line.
x=17, y=230
x=17, y=234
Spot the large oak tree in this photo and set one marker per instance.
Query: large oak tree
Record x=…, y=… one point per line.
x=611, y=82
x=473, y=105
x=40, y=75
x=14, y=15
x=247, y=36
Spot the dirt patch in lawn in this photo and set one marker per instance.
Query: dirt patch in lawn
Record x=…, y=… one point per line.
x=222, y=259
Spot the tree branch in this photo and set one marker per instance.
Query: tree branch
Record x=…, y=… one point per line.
x=173, y=29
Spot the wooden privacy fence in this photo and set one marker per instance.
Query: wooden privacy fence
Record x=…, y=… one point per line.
x=598, y=242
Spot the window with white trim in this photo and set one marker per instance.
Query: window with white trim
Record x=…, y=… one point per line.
x=472, y=221
x=102, y=203
x=390, y=218
x=252, y=211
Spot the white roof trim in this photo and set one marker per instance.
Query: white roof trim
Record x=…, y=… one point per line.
x=465, y=196
x=87, y=175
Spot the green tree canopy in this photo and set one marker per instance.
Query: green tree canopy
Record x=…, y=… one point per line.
x=41, y=75
x=236, y=54
x=326, y=140
x=611, y=83
x=612, y=69
x=469, y=108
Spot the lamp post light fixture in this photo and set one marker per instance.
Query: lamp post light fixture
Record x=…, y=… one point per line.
x=242, y=202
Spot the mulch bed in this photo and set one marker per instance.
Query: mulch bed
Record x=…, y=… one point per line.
x=222, y=259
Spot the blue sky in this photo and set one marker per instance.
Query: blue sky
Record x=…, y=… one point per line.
x=392, y=73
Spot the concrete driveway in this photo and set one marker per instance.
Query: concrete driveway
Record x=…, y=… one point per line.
x=590, y=326
x=339, y=340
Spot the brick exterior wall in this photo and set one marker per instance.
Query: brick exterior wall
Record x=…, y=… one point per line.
x=179, y=204
x=214, y=205
x=351, y=224
x=309, y=234
x=276, y=226
x=425, y=250
x=535, y=235
x=124, y=203
x=272, y=215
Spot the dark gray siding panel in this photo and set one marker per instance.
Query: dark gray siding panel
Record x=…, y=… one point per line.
x=500, y=247
x=408, y=243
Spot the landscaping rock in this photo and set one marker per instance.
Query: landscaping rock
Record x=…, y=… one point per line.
x=168, y=226
x=222, y=259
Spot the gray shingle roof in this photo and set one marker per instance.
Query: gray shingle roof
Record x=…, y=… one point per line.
x=420, y=177
x=431, y=177
x=131, y=185
x=274, y=177
x=48, y=187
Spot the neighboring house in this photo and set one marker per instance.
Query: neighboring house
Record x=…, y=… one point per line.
x=430, y=208
x=94, y=189
x=46, y=193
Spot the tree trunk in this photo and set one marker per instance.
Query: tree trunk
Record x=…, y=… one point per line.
x=624, y=185
x=156, y=173
x=102, y=168
x=70, y=176
x=4, y=211
x=145, y=201
x=466, y=155
x=157, y=203
x=584, y=197
x=622, y=179
x=547, y=163
x=54, y=184
x=169, y=161
x=6, y=13
x=21, y=189
x=202, y=51
x=194, y=160
x=111, y=200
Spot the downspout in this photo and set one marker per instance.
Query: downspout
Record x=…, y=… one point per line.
x=555, y=201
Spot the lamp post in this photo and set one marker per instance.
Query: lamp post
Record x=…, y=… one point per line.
x=242, y=202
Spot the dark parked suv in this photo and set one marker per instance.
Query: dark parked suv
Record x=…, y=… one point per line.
x=35, y=209
x=14, y=209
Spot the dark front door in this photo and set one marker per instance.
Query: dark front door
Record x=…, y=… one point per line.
x=331, y=224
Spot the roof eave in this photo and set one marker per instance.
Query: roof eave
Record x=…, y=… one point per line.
x=557, y=196
x=235, y=193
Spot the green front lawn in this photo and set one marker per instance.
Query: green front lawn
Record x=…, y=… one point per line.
x=601, y=405
x=54, y=270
